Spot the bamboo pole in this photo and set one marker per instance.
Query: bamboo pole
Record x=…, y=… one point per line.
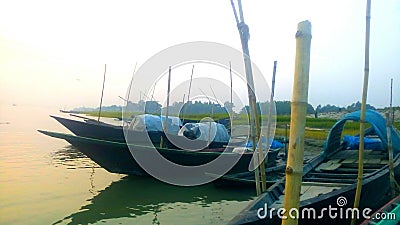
x=362, y=114
x=102, y=92
x=130, y=84
x=254, y=119
x=390, y=152
x=188, y=97
x=267, y=136
x=165, y=123
x=231, y=109
x=168, y=92
x=190, y=84
x=294, y=168
x=391, y=100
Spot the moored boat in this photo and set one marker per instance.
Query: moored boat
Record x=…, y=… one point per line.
x=329, y=180
x=116, y=157
x=138, y=132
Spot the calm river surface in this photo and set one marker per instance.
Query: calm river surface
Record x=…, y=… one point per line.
x=46, y=181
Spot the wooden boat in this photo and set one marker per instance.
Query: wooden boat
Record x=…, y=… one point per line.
x=103, y=131
x=247, y=179
x=390, y=211
x=332, y=176
x=115, y=157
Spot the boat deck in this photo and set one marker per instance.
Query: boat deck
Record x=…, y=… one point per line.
x=338, y=171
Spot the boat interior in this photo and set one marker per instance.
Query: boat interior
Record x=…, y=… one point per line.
x=333, y=172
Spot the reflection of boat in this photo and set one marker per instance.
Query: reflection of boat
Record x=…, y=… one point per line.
x=330, y=179
x=116, y=157
x=70, y=158
x=138, y=196
x=389, y=214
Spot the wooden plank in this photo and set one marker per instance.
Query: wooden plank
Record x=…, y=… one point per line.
x=373, y=161
x=329, y=180
x=309, y=183
x=334, y=175
x=349, y=161
x=328, y=166
x=384, y=161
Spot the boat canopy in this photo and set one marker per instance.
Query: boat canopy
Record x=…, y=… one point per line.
x=151, y=123
x=205, y=131
x=378, y=127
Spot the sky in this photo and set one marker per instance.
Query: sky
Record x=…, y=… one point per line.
x=52, y=53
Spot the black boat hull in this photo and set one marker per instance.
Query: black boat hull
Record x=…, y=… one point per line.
x=374, y=194
x=108, y=132
x=115, y=157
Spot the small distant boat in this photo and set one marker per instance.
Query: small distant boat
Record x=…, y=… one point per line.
x=330, y=179
x=389, y=214
x=115, y=157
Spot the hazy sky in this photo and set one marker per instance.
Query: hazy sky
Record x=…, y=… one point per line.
x=52, y=53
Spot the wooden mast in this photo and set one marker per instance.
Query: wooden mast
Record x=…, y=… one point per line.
x=294, y=167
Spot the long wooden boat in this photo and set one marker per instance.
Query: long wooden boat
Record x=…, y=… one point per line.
x=104, y=131
x=115, y=157
x=247, y=179
x=329, y=180
x=389, y=214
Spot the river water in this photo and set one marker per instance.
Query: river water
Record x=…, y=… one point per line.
x=46, y=181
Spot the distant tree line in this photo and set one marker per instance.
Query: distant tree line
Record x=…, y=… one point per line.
x=350, y=108
x=197, y=107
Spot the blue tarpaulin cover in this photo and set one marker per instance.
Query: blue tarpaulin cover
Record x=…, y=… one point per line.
x=205, y=131
x=151, y=123
x=378, y=125
x=274, y=145
x=352, y=142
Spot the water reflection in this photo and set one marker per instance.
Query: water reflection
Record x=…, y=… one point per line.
x=132, y=197
x=145, y=199
x=71, y=158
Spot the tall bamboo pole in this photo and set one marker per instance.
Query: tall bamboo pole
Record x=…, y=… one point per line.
x=130, y=85
x=102, y=92
x=168, y=92
x=294, y=167
x=391, y=111
x=254, y=118
x=268, y=134
x=390, y=151
x=190, y=84
x=362, y=115
x=165, y=123
x=188, y=97
x=231, y=106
